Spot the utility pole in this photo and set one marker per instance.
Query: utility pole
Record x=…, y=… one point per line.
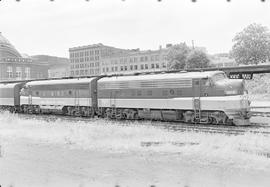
x=192, y=44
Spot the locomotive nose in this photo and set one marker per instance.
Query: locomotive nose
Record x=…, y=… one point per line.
x=234, y=87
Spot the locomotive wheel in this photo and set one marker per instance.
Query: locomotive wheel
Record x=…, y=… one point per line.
x=214, y=121
x=136, y=116
x=229, y=121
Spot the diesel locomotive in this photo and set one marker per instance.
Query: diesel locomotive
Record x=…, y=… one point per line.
x=193, y=97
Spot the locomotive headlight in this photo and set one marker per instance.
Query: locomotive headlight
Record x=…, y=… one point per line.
x=231, y=92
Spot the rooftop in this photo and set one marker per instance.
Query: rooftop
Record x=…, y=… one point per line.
x=7, y=50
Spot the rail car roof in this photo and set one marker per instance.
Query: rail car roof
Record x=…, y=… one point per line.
x=9, y=85
x=60, y=81
x=184, y=75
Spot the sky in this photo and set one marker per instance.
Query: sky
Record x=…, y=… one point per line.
x=52, y=27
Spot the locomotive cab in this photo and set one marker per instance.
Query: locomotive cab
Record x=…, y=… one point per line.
x=217, y=85
x=235, y=92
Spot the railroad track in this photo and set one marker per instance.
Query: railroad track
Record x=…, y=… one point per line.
x=171, y=126
x=261, y=111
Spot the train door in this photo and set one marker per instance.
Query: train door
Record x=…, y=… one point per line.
x=93, y=93
x=30, y=96
x=206, y=87
x=196, y=89
x=76, y=97
x=113, y=95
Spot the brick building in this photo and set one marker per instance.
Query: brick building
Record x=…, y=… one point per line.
x=135, y=61
x=15, y=66
x=86, y=60
x=99, y=59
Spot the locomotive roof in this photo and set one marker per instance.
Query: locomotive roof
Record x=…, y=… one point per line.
x=60, y=81
x=184, y=75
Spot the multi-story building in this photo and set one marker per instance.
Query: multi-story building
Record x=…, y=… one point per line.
x=85, y=60
x=99, y=59
x=135, y=61
x=58, y=66
x=15, y=66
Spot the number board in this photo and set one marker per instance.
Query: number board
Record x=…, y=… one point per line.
x=247, y=76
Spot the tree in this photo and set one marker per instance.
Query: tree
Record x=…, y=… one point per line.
x=252, y=45
x=177, y=56
x=197, y=59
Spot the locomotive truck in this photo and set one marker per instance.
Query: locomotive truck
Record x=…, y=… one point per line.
x=193, y=97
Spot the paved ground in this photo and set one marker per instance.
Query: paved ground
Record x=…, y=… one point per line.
x=56, y=152
x=25, y=163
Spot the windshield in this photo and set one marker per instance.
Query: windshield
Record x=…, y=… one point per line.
x=218, y=77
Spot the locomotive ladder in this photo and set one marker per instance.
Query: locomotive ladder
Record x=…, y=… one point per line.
x=197, y=108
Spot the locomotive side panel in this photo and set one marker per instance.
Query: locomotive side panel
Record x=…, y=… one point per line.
x=10, y=95
x=71, y=96
x=174, y=97
x=7, y=95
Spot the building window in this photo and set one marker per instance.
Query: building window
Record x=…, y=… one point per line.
x=125, y=68
x=121, y=68
x=9, y=72
x=116, y=68
x=142, y=59
x=145, y=58
x=163, y=65
x=142, y=66
x=146, y=66
x=27, y=72
x=18, y=72
x=152, y=66
x=135, y=59
x=157, y=65
x=131, y=67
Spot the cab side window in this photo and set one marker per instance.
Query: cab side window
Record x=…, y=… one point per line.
x=206, y=82
x=197, y=82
